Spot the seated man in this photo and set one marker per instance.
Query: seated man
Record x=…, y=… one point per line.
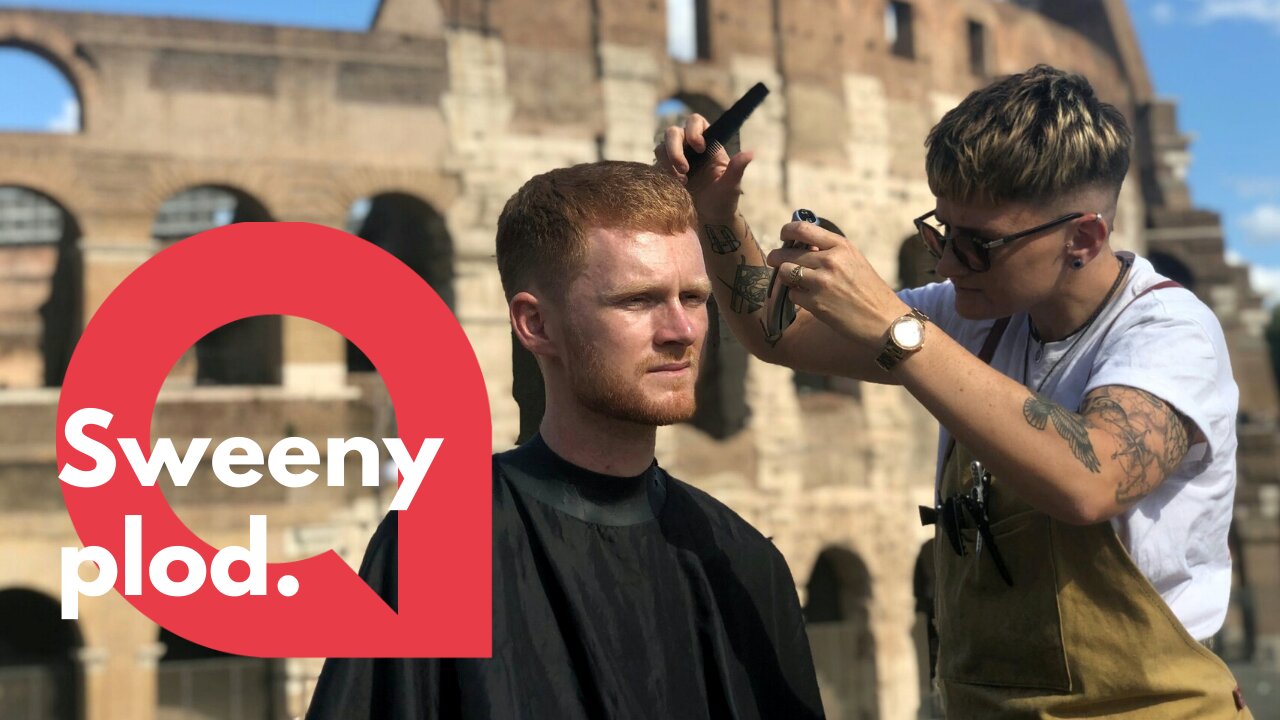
x=619, y=591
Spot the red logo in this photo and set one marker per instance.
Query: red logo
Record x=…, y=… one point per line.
x=430, y=370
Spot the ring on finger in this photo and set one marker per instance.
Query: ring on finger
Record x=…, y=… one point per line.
x=796, y=275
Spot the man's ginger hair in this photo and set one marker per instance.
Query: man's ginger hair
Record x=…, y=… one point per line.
x=543, y=228
x=1029, y=137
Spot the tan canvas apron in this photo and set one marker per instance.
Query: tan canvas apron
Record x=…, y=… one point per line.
x=1081, y=633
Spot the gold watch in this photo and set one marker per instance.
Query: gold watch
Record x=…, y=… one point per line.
x=906, y=335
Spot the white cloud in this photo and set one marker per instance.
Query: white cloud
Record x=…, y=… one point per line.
x=68, y=118
x=1266, y=282
x=1262, y=225
x=1163, y=13
x=1256, y=187
x=1266, y=12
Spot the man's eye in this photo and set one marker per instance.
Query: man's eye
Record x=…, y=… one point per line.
x=695, y=299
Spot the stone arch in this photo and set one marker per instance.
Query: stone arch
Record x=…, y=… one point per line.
x=50, y=43
x=915, y=263
x=676, y=108
x=924, y=633
x=688, y=30
x=415, y=232
x=837, y=614
x=43, y=83
x=248, y=351
x=1237, y=640
x=1171, y=267
x=40, y=676
x=41, y=276
x=194, y=682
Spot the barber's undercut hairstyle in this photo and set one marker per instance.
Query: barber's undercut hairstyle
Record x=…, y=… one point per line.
x=543, y=228
x=1029, y=137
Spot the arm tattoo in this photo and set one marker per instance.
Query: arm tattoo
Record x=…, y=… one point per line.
x=1039, y=410
x=1151, y=436
x=722, y=239
x=750, y=286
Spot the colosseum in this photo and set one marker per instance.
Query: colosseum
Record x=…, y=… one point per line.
x=412, y=134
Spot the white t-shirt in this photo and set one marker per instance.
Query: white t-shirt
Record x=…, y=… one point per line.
x=1169, y=344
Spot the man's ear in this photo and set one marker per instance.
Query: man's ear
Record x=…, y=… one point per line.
x=1090, y=236
x=528, y=320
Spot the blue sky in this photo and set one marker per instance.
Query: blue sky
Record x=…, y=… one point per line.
x=1218, y=58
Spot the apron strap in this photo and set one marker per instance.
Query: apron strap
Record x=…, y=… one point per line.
x=928, y=515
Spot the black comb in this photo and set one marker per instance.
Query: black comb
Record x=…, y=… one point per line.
x=725, y=127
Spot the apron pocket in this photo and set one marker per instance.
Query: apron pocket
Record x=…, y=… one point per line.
x=993, y=634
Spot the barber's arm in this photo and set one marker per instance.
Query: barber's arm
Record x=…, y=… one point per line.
x=1081, y=467
x=738, y=272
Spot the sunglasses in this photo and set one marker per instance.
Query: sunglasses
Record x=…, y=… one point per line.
x=972, y=251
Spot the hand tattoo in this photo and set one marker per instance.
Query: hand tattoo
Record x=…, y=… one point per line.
x=1152, y=436
x=750, y=287
x=722, y=239
x=1038, y=410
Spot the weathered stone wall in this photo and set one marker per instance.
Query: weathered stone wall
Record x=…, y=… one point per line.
x=458, y=104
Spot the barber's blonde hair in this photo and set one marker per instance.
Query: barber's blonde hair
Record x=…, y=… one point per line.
x=543, y=228
x=1028, y=137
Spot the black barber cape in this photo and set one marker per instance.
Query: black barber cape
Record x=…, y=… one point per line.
x=613, y=598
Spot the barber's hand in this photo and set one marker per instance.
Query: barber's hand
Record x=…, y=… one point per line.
x=837, y=283
x=717, y=184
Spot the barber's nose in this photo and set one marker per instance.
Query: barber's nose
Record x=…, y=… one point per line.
x=949, y=266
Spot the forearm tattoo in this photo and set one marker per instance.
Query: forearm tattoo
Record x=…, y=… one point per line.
x=721, y=239
x=750, y=287
x=1039, y=410
x=1151, y=436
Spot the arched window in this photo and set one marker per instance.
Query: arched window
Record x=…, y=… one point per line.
x=40, y=288
x=688, y=30
x=916, y=266
x=194, y=681
x=676, y=109
x=36, y=95
x=924, y=633
x=244, y=352
x=899, y=31
x=414, y=232
x=40, y=676
x=1173, y=268
x=838, y=623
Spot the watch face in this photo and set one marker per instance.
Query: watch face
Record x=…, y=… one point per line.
x=908, y=333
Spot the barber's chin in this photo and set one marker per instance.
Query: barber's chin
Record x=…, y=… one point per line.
x=973, y=305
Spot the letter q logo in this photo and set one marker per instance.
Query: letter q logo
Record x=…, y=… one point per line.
x=364, y=293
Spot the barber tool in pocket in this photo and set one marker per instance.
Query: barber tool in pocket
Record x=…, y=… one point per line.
x=970, y=509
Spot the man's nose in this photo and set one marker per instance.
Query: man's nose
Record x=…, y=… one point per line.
x=677, y=323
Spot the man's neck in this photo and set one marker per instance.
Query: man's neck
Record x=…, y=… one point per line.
x=596, y=442
x=1076, y=299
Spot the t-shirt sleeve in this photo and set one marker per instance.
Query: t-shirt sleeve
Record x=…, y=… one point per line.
x=937, y=300
x=377, y=688
x=1177, y=353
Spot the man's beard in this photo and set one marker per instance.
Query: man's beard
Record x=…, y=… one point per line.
x=617, y=392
